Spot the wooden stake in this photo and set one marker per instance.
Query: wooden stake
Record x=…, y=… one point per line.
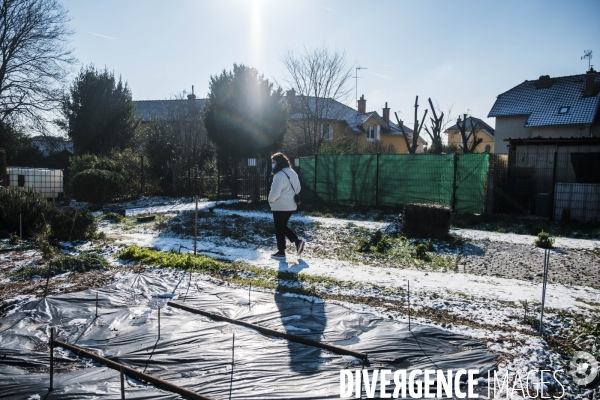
x=47, y=279
x=196, y=226
x=73, y=226
x=96, y=304
x=158, y=322
x=21, y=231
x=249, y=289
x=232, y=364
x=51, y=359
x=546, y=262
x=409, y=305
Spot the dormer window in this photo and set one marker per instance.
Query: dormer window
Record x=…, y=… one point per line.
x=372, y=133
x=564, y=110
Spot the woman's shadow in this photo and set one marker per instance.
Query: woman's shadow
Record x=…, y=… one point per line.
x=302, y=315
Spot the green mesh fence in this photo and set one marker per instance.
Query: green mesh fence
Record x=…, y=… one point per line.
x=415, y=178
x=471, y=177
x=397, y=179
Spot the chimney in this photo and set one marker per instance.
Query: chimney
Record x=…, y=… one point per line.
x=362, y=105
x=544, y=82
x=192, y=97
x=290, y=97
x=386, y=114
x=590, y=83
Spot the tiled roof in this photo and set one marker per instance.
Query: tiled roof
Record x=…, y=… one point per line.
x=543, y=104
x=152, y=110
x=335, y=111
x=51, y=144
x=478, y=123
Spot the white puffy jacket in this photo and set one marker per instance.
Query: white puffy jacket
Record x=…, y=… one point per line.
x=281, y=196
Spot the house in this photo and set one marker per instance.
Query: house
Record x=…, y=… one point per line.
x=366, y=131
x=153, y=110
x=482, y=131
x=565, y=106
x=52, y=144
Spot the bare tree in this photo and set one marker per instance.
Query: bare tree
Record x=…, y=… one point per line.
x=412, y=148
x=319, y=79
x=35, y=59
x=177, y=145
x=437, y=126
x=469, y=139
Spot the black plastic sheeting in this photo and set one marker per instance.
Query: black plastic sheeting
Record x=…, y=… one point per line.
x=195, y=352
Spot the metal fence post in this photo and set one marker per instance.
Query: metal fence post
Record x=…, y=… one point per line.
x=51, y=359
x=552, y=190
x=122, y=383
x=315, y=180
x=377, y=181
x=454, y=187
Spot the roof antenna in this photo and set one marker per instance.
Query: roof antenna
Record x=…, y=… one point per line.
x=587, y=54
x=356, y=84
x=192, y=89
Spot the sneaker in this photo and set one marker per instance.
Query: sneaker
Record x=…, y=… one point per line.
x=300, y=246
x=279, y=254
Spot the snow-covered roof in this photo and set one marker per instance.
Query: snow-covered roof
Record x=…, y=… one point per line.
x=562, y=103
x=152, y=110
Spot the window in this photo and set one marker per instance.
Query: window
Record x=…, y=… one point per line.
x=488, y=148
x=327, y=131
x=372, y=133
x=564, y=110
x=252, y=162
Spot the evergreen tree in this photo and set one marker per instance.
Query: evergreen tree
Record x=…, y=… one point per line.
x=99, y=113
x=244, y=114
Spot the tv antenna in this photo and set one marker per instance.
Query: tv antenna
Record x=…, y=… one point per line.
x=587, y=54
x=356, y=84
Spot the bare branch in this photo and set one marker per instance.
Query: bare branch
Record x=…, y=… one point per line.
x=36, y=59
x=320, y=79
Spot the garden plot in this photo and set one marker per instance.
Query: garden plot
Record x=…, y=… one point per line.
x=196, y=352
x=480, y=285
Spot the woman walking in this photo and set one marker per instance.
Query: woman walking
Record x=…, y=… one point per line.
x=281, y=199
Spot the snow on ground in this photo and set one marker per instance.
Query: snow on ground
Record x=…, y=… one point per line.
x=483, y=287
x=477, y=286
x=485, y=299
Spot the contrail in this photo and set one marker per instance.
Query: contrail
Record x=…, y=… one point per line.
x=373, y=73
x=97, y=34
x=327, y=8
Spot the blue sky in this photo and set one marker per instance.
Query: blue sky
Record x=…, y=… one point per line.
x=461, y=53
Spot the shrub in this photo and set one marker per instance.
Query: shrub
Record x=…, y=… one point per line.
x=97, y=186
x=30, y=205
x=76, y=224
x=544, y=240
x=426, y=221
x=421, y=252
x=112, y=217
x=37, y=214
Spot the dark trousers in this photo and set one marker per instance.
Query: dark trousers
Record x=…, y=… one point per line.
x=280, y=220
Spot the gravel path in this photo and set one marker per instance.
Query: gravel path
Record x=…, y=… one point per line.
x=509, y=260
